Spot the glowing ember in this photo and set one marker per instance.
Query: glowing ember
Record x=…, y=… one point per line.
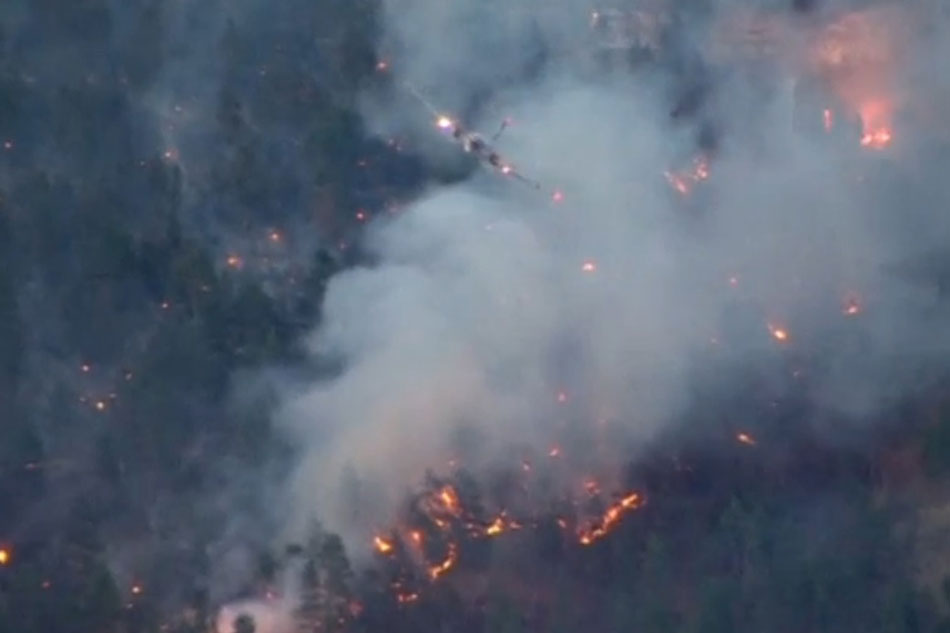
x=449, y=498
x=136, y=589
x=437, y=570
x=85, y=368
x=683, y=181
x=611, y=517
x=100, y=405
x=589, y=267
x=745, y=438
x=852, y=306
x=360, y=216
x=382, y=65
x=383, y=546
x=234, y=261
x=497, y=527
x=778, y=333
x=444, y=123
x=275, y=236
x=506, y=169
x=5, y=556
x=877, y=139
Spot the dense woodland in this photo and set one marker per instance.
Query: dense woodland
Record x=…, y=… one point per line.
x=174, y=195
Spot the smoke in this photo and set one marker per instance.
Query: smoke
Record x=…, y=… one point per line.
x=267, y=617
x=486, y=300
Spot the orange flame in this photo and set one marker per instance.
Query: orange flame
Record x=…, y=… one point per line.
x=852, y=305
x=382, y=545
x=611, y=517
x=5, y=556
x=745, y=438
x=437, y=570
x=683, y=181
x=778, y=333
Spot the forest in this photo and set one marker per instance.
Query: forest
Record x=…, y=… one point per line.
x=178, y=185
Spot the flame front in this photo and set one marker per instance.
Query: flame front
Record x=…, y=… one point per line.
x=610, y=519
x=382, y=545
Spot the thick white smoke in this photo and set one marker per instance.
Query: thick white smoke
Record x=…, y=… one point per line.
x=487, y=299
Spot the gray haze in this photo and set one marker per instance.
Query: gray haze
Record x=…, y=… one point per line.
x=478, y=310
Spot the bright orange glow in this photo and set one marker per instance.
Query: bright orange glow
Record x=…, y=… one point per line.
x=497, y=527
x=437, y=570
x=449, y=499
x=745, y=438
x=5, y=556
x=611, y=517
x=778, y=333
x=444, y=123
x=234, y=261
x=383, y=546
x=684, y=180
x=852, y=305
x=876, y=124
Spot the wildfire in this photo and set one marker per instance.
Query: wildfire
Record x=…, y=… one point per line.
x=437, y=570
x=5, y=556
x=778, y=333
x=444, y=123
x=557, y=196
x=877, y=139
x=449, y=499
x=745, y=438
x=234, y=261
x=683, y=181
x=589, y=267
x=500, y=525
x=382, y=545
x=611, y=517
x=852, y=306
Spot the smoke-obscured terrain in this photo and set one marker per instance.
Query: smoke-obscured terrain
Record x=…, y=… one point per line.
x=282, y=351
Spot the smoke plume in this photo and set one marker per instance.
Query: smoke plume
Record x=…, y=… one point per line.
x=505, y=311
